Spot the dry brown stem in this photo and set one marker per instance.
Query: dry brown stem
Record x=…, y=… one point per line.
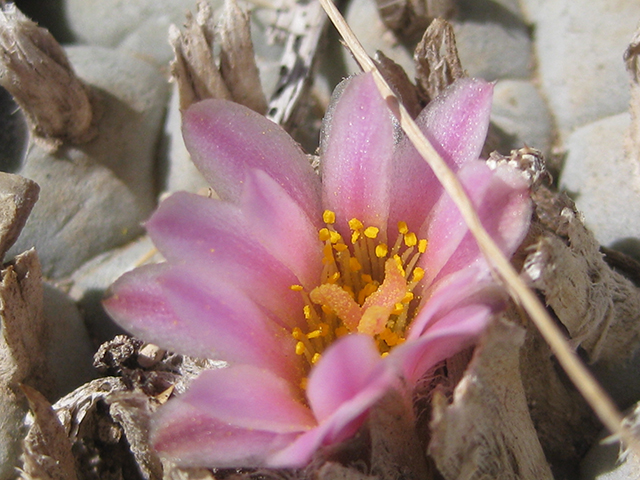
x=37, y=73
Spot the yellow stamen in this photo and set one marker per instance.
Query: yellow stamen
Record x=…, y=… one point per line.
x=324, y=234
x=403, y=228
x=329, y=217
x=418, y=274
x=315, y=358
x=335, y=237
x=355, y=224
x=410, y=239
x=381, y=250
x=296, y=288
x=422, y=245
x=371, y=232
x=300, y=348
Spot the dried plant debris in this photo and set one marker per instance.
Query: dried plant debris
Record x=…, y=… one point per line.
x=487, y=432
x=395, y=75
x=237, y=61
x=408, y=17
x=436, y=59
x=106, y=421
x=47, y=448
x=194, y=68
x=18, y=195
x=303, y=28
x=599, y=307
x=37, y=73
x=24, y=334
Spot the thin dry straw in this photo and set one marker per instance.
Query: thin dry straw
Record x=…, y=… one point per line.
x=577, y=372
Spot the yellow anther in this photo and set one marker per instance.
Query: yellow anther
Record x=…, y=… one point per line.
x=340, y=247
x=408, y=297
x=403, y=228
x=366, y=278
x=382, y=355
x=315, y=359
x=410, y=239
x=303, y=383
x=296, y=288
x=297, y=333
x=349, y=290
x=422, y=245
x=329, y=217
x=314, y=334
x=323, y=234
x=300, y=348
x=334, y=278
x=341, y=331
x=307, y=312
x=355, y=224
x=335, y=237
x=354, y=264
x=355, y=236
x=418, y=274
x=399, y=308
x=371, y=232
x=382, y=250
x=326, y=309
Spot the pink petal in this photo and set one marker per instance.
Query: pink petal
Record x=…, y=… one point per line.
x=137, y=302
x=356, y=149
x=349, y=379
x=456, y=123
x=191, y=438
x=249, y=397
x=451, y=334
x=217, y=320
x=343, y=371
x=214, y=235
x=503, y=204
x=225, y=139
x=282, y=227
x=462, y=288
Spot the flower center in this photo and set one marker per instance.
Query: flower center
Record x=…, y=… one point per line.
x=366, y=287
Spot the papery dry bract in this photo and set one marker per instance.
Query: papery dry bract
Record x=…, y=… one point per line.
x=260, y=277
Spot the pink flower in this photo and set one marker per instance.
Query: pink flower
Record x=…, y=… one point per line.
x=321, y=292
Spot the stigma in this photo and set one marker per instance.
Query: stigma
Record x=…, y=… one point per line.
x=367, y=287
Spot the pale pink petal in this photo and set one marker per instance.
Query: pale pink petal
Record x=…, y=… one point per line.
x=137, y=302
x=217, y=320
x=464, y=287
x=249, y=397
x=282, y=227
x=224, y=139
x=456, y=123
x=349, y=379
x=502, y=201
x=454, y=332
x=342, y=372
x=191, y=438
x=212, y=234
x=356, y=149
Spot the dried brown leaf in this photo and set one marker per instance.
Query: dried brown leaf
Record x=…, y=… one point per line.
x=487, y=431
x=237, y=59
x=194, y=69
x=37, y=73
x=399, y=81
x=436, y=59
x=47, y=449
x=599, y=307
x=408, y=17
